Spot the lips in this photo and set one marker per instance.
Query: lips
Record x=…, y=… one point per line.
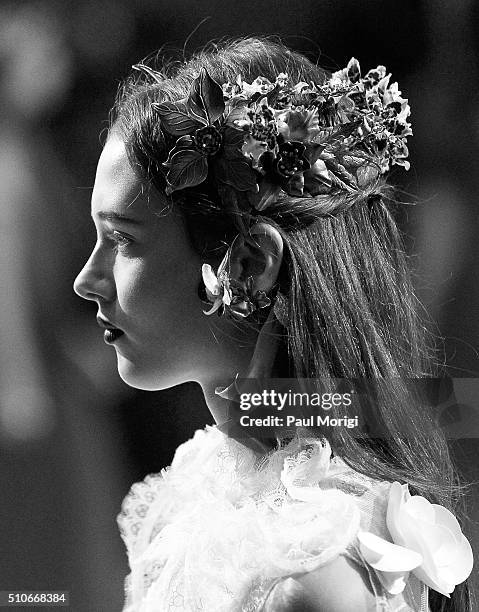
x=111, y=332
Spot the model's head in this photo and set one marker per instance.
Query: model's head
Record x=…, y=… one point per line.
x=334, y=256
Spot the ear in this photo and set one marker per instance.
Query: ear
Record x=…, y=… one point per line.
x=258, y=255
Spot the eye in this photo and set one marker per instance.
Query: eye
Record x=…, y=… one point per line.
x=121, y=241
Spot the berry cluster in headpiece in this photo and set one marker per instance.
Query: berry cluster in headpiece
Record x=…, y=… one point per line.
x=305, y=138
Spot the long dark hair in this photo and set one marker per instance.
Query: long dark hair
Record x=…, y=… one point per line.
x=351, y=307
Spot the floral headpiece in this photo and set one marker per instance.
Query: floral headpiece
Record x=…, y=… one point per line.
x=305, y=138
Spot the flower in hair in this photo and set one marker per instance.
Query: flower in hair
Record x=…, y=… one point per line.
x=427, y=541
x=305, y=139
x=204, y=138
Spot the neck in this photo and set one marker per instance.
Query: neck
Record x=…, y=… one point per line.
x=219, y=392
x=217, y=405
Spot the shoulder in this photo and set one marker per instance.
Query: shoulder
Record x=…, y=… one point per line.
x=339, y=586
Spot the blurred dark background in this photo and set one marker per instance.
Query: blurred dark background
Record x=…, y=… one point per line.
x=73, y=437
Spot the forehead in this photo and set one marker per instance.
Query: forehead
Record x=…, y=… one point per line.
x=117, y=188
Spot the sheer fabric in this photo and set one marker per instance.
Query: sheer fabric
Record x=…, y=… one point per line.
x=224, y=530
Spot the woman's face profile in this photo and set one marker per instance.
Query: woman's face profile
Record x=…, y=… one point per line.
x=143, y=275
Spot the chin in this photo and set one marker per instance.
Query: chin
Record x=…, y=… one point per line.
x=147, y=379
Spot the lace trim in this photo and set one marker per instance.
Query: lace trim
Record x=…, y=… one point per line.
x=215, y=486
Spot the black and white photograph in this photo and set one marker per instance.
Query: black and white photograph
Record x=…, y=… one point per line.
x=239, y=338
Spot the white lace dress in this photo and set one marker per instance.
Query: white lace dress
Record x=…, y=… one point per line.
x=221, y=530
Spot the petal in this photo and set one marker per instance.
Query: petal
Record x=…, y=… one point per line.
x=242, y=124
x=253, y=148
x=437, y=540
x=419, y=507
x=242, y=309
x=214, y=308
x=354, y=71
x=210, y=280
x=393, y=582
x=391, y=563
x=446, y=518
x=383, y=83
x=396, y=499
x=441, y=586
x=222, y=268
x=461, y=561
x=385, y=556
x=425, y=539
x=226, y=299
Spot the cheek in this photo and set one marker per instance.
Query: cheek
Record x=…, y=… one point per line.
x=132, y=286
x=151, y=293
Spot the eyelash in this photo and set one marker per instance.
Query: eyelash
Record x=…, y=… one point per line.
x=121, y=241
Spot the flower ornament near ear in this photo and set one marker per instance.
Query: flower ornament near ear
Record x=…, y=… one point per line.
x=227, y=293
x=427, y=541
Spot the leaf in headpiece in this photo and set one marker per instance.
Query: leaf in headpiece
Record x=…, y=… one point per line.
x=340, y=176
x=367, y=174
x=272, y=96
x=205, y=102
x=235, y=162
x=267, y=194
x=236, y=172
x=233, y=141
x=184, y=143
x=332, y=138
x=317, y=179
x=236, y=110
x=350, y=160
x=187, y=168
x=175, y=118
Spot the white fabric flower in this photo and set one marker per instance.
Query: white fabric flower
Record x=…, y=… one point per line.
x=217, y=290
x=214, y=289
x=444, y=555
x=391, y=562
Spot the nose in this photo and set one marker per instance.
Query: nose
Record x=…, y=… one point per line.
x=95, y=282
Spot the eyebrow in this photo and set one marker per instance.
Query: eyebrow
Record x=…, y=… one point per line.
x=113, y=216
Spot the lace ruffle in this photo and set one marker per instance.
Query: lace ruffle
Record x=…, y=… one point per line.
x=222, y=526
